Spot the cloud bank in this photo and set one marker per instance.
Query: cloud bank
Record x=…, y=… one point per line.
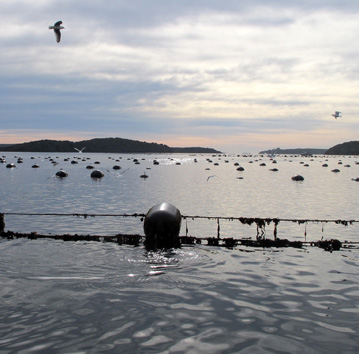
x=236, y=76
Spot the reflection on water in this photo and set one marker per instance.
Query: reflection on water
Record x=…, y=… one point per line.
x=96, y=297
x=92, y=297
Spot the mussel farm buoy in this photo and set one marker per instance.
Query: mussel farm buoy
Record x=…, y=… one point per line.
x=298, y=178
x=97, y=174
x=162, y=226
x=61, y=174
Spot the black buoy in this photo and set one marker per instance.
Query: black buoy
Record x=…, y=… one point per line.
x=162, y=226
x=298, y=178
x=97, y=174
x=61, y=174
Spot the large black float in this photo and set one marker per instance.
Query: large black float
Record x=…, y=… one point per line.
x=162, y=226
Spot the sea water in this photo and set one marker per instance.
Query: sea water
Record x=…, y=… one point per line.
x=91, y=297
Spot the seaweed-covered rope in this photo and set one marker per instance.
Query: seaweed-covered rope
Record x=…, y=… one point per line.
x=244, y=220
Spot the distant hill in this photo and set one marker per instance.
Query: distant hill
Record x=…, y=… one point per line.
x=306, y=151
x=348, y=148
x=197, y=150
x=111, y=145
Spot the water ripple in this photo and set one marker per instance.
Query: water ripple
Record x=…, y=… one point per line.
x=98, y=297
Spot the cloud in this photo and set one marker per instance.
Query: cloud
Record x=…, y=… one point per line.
x=183, y=69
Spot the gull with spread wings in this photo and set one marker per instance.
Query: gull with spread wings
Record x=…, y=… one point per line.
x=337, y=114
x=57, y=27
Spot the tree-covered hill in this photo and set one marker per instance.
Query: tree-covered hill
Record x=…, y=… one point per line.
x=299, y=151
x=348, y=148
x=111, y=145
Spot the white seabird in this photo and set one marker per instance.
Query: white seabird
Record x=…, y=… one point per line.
x=337, y=114
x=57, y=27
x=80, y=151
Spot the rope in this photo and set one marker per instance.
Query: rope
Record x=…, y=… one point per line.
x=244, y=220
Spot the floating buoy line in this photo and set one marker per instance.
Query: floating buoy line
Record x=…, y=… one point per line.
x=135, y=239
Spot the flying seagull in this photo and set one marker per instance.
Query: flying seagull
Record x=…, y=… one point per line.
x=57, y=27
x=336, y=114
x=80, y=150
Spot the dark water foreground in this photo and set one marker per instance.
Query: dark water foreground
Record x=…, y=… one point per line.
x=90, y=297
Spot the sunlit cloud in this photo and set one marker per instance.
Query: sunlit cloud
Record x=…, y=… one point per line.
x=131, y=70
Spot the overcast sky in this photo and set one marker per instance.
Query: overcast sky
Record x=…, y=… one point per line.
x=236, y=75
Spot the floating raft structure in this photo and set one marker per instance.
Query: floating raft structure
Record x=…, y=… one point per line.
x=228, y=242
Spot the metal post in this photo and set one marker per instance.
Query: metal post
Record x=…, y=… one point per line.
x=2, y=223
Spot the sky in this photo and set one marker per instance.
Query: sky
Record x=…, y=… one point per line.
x=235, y=75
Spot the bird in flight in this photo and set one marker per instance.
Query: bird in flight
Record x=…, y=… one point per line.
x=337, y=114
x=80, y=150
x=57, y=27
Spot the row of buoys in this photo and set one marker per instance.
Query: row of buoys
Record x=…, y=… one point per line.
x=94, y=174
x=99, y=174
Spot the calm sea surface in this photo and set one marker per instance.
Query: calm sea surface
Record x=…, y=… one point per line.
x=93, y=297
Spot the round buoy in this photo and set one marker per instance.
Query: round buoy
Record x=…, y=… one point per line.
x=162, y=226
x=97, y=174
x=61, y=174
x=298, y=178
